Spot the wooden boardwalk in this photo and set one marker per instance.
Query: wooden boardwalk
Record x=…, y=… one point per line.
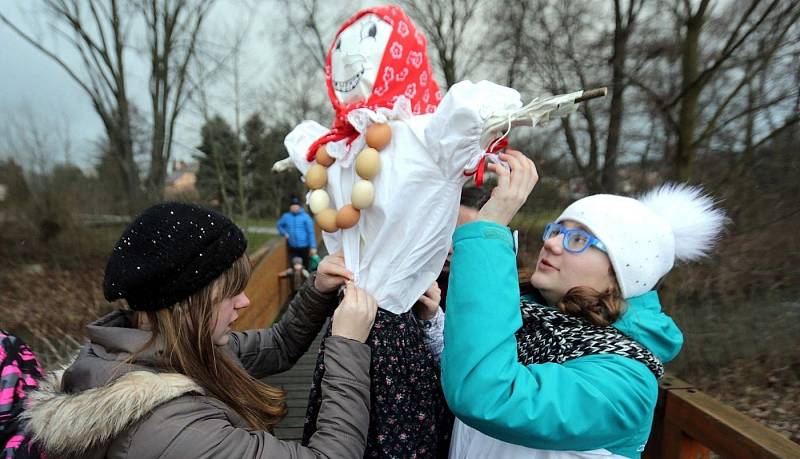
x=297, y=383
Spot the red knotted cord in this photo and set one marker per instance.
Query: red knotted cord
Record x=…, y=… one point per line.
x=334, y=135
x=479, y=171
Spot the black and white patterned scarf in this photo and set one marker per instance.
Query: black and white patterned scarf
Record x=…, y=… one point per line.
x=549, y=335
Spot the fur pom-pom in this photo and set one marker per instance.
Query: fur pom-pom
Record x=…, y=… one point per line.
x=695, y=220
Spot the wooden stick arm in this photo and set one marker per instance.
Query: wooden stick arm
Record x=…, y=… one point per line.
x=536, y=112
x=592, y=94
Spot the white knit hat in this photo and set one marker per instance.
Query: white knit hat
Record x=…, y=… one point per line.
x=645, y=236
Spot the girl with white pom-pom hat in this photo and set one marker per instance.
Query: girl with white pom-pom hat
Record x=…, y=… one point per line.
x=572, y=370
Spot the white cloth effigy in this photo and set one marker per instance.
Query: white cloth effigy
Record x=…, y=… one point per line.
x=400, y=243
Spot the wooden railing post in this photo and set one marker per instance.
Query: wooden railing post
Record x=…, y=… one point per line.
x=677, y=445
x=690, y=424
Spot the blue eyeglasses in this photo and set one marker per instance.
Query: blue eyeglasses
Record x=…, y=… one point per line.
x=576, y=240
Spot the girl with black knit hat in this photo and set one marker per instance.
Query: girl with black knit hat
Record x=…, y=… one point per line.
x=168, y=378
x=571, y=370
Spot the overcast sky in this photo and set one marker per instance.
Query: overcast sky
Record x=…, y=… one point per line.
x=31, y=81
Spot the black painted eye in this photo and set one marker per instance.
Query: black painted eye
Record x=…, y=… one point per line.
x=369, y=31
x=338, y=44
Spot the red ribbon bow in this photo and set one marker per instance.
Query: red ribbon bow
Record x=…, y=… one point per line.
x=479, y=171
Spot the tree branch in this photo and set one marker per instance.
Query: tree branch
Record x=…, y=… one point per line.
x=726, y=52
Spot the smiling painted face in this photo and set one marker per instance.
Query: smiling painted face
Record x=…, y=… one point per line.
x=356, y=58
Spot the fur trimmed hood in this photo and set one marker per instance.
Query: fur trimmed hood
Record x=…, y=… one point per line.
x=73, y=424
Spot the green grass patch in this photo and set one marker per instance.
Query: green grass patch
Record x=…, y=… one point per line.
x=256, y=240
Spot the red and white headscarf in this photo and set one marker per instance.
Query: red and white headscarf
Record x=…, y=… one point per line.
x=404, y=71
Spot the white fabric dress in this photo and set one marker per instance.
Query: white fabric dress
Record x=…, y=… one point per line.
x=469, y=443
x=399, y=245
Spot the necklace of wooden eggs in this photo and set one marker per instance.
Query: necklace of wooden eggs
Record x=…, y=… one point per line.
x=368, y=163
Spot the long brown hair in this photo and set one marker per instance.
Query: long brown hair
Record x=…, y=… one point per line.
x=185, y=332
x=599, y=308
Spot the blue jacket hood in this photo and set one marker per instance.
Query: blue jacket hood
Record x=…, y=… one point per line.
x=644, y=322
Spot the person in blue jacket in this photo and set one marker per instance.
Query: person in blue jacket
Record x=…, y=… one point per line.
x=298, y=229
x=570, y=371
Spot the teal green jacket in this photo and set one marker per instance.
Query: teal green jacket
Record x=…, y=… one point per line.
x=598, y=401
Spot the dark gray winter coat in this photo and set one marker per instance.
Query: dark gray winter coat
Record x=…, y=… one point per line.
x=102, y=409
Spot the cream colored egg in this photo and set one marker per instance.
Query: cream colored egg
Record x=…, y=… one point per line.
x=327, y=220
x=368, y=163
x=316, y=177
x=323, y=157
x=379, y=135
x=363, y=194
x=347, y=217
x=318, y=201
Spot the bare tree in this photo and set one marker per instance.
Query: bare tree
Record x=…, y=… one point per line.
x=453, y=28
x=33, y=140
x=558, y=47
x=173, y=28
x=702, y=96
x=100, y=36
x=713, y=76
x=100, y=32
x=511, y=40
x=36, y=141
x=306, y=32
x=216, y=155
x=242, y=177
x=624, y=25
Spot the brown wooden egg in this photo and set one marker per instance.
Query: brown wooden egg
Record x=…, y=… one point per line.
x=368, y=163
x=379, y=135
x=363, y=194
x=326, y=220
x=323, y=157
x=347, y=217
x=316, y=177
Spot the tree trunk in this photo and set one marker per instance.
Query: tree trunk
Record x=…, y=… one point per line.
x=121, y=143
x=687, y=118
x=622, y=29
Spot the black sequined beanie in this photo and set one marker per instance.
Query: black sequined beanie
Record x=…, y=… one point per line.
x=169, y=252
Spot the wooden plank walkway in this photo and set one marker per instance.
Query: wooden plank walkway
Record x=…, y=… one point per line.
x=297, y=383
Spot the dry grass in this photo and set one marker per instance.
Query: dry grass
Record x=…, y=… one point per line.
x=49, y=306
x=51, y=290
x=766, y=389
x=746, y=354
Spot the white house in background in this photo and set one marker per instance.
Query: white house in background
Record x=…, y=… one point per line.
x=3, y=192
